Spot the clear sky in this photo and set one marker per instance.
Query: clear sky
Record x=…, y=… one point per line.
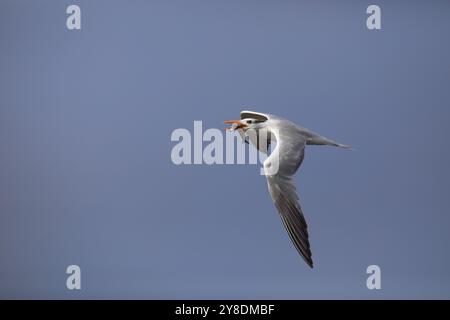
x=86, y=176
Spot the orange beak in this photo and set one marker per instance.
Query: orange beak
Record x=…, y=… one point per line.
x=235, y=124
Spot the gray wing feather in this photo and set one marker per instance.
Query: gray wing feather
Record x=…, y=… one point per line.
x=290, y=151
x=283, y=194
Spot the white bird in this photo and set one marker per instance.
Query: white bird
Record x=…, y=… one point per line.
x=284, y=161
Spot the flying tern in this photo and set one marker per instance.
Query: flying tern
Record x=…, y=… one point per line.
x=288, y=155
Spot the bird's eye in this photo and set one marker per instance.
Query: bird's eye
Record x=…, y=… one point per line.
x=249, y=121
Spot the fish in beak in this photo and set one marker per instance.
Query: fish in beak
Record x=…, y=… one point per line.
x=235, y=125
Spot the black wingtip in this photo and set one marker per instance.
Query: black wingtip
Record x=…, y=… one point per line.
x=309, y=262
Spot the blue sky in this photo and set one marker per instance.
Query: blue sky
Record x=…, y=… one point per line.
x=86, y=176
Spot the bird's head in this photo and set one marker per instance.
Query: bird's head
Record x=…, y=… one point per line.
x=243, y=124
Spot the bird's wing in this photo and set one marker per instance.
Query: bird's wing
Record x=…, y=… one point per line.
x=289, y=153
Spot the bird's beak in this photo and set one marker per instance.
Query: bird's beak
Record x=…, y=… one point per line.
x=235, y=124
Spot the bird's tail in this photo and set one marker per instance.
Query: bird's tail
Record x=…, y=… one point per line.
x=316, y=139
